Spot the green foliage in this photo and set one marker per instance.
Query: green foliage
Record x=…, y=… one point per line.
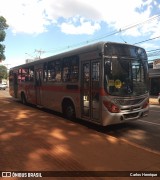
x=2, y=49
x=3, y=24
x=3, y=27
x=3, y=72
x=2, y=35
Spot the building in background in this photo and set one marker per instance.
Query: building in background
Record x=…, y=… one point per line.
x=154, y=77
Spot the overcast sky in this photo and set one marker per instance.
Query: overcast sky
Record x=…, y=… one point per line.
x=54, y=26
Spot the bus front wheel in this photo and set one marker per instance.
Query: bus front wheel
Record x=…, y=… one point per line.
x=69, y=110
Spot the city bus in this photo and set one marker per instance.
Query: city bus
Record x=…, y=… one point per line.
x=104, y=83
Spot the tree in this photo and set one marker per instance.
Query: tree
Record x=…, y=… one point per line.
x=3, y=27
x=3, y=72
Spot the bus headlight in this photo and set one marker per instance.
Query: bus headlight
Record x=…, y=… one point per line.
x=111, y=107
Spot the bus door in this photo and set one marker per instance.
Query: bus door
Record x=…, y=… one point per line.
x=38, y=85
x=90, y=97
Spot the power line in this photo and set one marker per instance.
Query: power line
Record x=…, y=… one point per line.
x=153, y=50
x=127, y=28
x=152, y=55
x=110, y=34
x=143, y=22
x=104, y=36
x=147, y=40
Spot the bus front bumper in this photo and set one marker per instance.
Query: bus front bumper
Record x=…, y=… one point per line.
x=117, y=118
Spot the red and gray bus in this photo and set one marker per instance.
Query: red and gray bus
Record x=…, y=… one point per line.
x=104, y=83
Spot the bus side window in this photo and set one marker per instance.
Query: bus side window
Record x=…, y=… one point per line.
x=65, y=70
x=31, y=74
x=22, y=74
x=45, y=74
x=26, y=74
x=70, y=69
x=53, y=71
x=58, y=70
x=50, y=71
x=74, y=69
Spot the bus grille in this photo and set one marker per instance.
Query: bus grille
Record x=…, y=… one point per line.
x=132, y=115
x=127, y=102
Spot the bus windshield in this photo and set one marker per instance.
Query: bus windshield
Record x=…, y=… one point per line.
x=125, y=77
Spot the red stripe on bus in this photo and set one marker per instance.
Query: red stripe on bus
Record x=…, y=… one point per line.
x=59, y=89
x=101, y=91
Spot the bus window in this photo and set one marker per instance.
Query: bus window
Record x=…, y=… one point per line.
x=54, y=71
x=31, y=74
x=74, y=70
x=45, y=72
x=58, y=71
x=26, y=74
x=70, y=69
x=51, y=71
x=66, y=70
x=21, y=75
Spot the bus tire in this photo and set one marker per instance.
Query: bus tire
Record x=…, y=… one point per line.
x=68, y=109
x=23, y=99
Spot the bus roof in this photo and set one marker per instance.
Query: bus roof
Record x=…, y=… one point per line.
x=76, y=51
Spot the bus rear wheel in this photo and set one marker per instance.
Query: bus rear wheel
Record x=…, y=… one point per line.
x=69, y=110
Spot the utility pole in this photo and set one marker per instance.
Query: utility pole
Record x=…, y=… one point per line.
x=40, y=52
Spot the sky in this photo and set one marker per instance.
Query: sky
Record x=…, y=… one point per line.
x=42, y=28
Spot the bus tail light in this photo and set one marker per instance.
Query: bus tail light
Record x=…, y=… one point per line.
x=111, y=107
